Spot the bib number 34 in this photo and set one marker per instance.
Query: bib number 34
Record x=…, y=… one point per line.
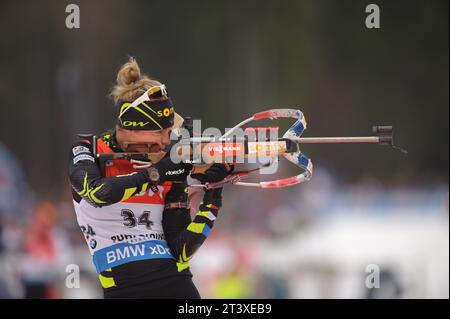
x=130, y=220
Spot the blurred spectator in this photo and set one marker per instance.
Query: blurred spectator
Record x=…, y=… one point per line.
x=15, y=194
x=234, y=284
x=45, y=251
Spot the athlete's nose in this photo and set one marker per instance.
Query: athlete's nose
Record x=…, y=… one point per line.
x=165, y=139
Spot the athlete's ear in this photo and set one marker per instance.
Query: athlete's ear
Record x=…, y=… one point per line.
x=178, y=122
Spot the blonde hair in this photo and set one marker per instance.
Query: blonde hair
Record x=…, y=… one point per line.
x=131, y=83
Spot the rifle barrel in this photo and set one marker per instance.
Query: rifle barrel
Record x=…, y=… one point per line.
x=323, y=140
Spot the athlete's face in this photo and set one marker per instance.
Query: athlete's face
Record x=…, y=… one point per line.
x=143, y=141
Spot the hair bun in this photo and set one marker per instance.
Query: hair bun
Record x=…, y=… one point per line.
x=131, y=83
x=129, y=73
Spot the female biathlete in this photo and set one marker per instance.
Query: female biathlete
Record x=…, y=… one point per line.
x=137, y=221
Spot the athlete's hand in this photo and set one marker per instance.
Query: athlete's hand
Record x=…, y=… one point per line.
x=215, y=173
x=166, y=170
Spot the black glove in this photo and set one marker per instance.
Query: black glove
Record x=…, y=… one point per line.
x=212, y=196
x=166, y=170
x=215, y=173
